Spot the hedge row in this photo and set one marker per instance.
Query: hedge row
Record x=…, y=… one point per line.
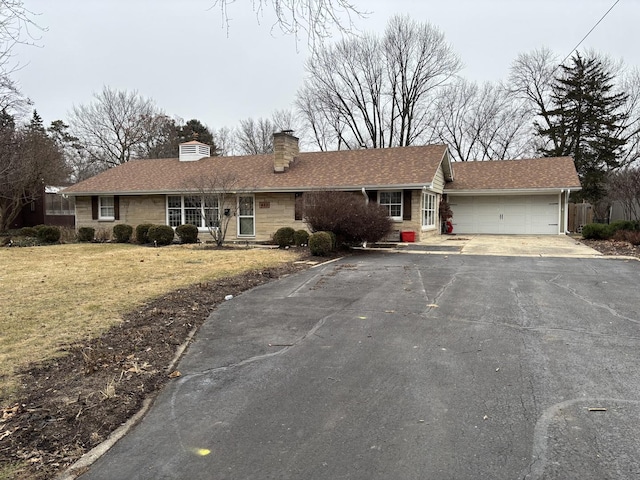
x=601, y=231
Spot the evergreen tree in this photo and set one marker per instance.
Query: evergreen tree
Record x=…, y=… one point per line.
x=36, y=124
x=195, y=130
x=585, y=121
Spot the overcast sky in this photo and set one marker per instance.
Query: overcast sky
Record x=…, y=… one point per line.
x=178, y=52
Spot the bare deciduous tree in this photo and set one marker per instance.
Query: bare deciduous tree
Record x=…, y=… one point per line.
x=219, y=194
x=115, y=125
x=624, y=186
x=482, y=122
x=316, y=18
x=29, y=160
x=376, y=92
x=255, y=137
x=225, y=140
x=16, y=26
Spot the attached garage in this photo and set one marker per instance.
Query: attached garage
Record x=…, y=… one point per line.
x=506, y=214
x=520, y=197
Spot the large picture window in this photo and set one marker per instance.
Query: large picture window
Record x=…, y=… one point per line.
x=393, y=202
x=203, y=212
x=428, y=210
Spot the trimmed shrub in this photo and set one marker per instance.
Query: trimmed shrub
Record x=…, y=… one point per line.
x=122, y=232
x=48, y=234
x=28, y=232
x=86, y=234
x=187, y=233
x=320, y=244
x=160, y=234
x=284, y=237
x=622, y=225
x=142, y=233
x=301, y=237
x=348, y=216
x=596, y=231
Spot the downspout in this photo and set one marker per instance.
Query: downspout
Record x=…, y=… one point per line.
x=366, y=200
x=566, y=217
x=561, y=208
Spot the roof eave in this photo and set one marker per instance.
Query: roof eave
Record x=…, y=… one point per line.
x=509, y=191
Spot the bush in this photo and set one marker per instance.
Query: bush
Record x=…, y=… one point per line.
x=348, y=216
x=142, y=233
x=122, y=232
x=596, y=231
x=86, y=234
x=160, y=234
x=301, y=237
x=284, y=236
x=320, y=244
x=187, y=233
x=28, y=232
x=48, y=234
x=623, y=225
x=631, y=236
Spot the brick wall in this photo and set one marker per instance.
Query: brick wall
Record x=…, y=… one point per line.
x=272, y=211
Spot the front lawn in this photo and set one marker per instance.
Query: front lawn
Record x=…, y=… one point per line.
x=63, y=294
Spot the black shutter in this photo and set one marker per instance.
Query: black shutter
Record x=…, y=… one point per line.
x=406, y=207
x=116, y=207
x=94, y=208
x=373, y=195
x=299, y=205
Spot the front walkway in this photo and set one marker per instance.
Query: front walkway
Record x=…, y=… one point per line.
x=503, y=245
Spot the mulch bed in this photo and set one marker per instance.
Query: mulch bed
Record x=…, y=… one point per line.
x=70, y=404
x=613, y=247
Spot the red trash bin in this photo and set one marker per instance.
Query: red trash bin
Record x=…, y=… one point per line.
x=408, y=236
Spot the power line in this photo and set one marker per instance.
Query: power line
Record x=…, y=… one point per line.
x=589, y=32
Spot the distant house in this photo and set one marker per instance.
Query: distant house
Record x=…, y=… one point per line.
x=523, y=196
x=51, y=208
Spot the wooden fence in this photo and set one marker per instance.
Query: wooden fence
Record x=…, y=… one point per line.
x=580, y=214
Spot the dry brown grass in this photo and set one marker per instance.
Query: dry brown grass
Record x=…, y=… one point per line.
x=58, y=295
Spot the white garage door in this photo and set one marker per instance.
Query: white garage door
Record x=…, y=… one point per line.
x=505, y=214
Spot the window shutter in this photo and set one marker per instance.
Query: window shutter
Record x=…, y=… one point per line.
x=406, y=207
x=116, y=207
x=94, y=208
x=299, y=205
x=373, y=195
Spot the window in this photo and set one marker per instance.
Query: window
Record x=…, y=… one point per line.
x=56, y=204
x=203, y=212
x=106, y=208
x=393, y=202
x=174, y=210
x=246, y=219
x=428, y=210
x=193, y=210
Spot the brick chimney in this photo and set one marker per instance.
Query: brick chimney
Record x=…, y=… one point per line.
x=285, y=148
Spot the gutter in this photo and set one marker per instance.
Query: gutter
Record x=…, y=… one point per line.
x=513, y=191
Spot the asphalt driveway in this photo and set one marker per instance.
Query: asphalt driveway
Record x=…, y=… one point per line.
x=405, y=366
